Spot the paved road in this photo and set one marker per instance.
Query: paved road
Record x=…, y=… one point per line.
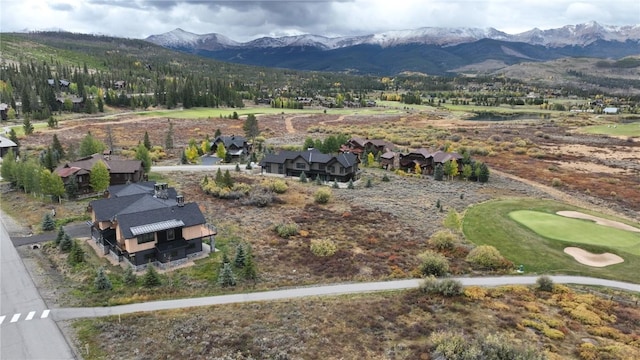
x=27, y=331
x=313, y=291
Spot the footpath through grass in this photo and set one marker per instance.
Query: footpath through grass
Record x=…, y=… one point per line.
x=489, y=223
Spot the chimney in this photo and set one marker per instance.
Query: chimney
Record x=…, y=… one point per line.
x=160, y=191
x=180, y=200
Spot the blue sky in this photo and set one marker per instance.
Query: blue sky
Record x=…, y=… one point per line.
x=244, y=20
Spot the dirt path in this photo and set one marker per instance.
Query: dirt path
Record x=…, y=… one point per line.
x=289, y=125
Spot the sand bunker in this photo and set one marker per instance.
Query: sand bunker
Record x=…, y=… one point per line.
x=598, y=220
x=590, y=259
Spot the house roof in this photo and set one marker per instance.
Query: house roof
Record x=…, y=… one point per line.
x=187, y=215
x=310, y=156
x=388, y=155
x=233, y=140
x=442, y=157
x=145, y=187
x=422, y=151
x=67, y=171
x=117, y=166
x=5, y=142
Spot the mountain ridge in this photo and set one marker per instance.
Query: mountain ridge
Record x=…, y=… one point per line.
x=569, y=35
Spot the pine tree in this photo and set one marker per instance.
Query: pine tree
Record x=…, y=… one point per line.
x=219, y=179
x=303, y=177
x=59, y=236
x=335, y=184
x=146, y=141
x=76, y=255
x=438, y=172
x=369, y=183
x=168, y=140
x=225, y=258
x=237, y=167
x=249, y=271
x=350, y=184
x=241, y=258
x=27, y=126
x=102, y=282
x=226, y=277
x=227, y=179
x=483, y=175
x=48, y=223
x=318, y=181
x=151, y=277
x=129, y=277
x=66, y=243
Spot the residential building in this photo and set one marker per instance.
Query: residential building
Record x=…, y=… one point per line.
x=7, y=144
x=121, y=171
x=342, y=167
x=236, y=146
x=147, y=223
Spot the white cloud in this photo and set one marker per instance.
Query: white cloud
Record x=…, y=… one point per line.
x=246, y=20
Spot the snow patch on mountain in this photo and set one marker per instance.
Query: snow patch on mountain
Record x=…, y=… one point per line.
x=576, y=35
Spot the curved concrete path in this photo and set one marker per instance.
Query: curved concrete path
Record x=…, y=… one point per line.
x=325, y=290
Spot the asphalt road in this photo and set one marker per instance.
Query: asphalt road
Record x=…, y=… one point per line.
x=314, y=291
x=27, y=329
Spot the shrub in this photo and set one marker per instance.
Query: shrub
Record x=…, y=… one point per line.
x=433, y=264
x=322, y=196
x=452, y=221
x=323, y=248
x=545, y=283
x=226, y=277
x=102, y=282
x=443, y=240
x=385, y=178
x=66, y=243
x=350, y=184
x=555, y=182
x=48, y=223
x=260, y=197
x=486, y=256
x=129, y=277
x=151, y=277
x=450, y=287
x=287, y=230
x=538, y=133
x=369, y=183
x=278, y=186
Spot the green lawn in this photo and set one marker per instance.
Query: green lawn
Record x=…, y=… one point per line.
x=631, y=129
x=577, y=230
x=490, y=223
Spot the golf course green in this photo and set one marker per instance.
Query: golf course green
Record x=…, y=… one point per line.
x=578, y=231
x=529, y=232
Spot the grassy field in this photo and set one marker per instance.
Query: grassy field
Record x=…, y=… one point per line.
x=632, y=129
x=489, y=223
x=578, y=231
x=203, y=113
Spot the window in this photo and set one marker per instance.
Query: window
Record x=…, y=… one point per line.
x=332, y=169
x=341, y=170
x=280, y=169
x=301, y=166
x=171, y=234
x=322, y=166
x=145, y=238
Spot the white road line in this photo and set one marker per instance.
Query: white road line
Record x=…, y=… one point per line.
x=2, y=319
x=45, y=314
x=15, y=317
x=30, y=315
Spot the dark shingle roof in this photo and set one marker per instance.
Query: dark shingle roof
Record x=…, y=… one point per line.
x=228, y=141
x=189, y=214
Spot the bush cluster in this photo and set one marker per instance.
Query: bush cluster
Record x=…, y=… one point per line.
x=488, y=257
x=322, y=196
x=433, y=264
x=323, y=248
x=450, y=344
x=287, y=230
x=445, y=287
x=443, y=240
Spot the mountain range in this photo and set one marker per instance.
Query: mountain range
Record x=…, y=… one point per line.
x=430, y=50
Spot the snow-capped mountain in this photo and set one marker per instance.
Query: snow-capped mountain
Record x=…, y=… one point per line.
x=570, y=35
x=429, y=50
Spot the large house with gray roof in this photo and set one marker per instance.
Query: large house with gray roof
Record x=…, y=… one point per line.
x=148, y=222
x=342, y=167
x=236, y=146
